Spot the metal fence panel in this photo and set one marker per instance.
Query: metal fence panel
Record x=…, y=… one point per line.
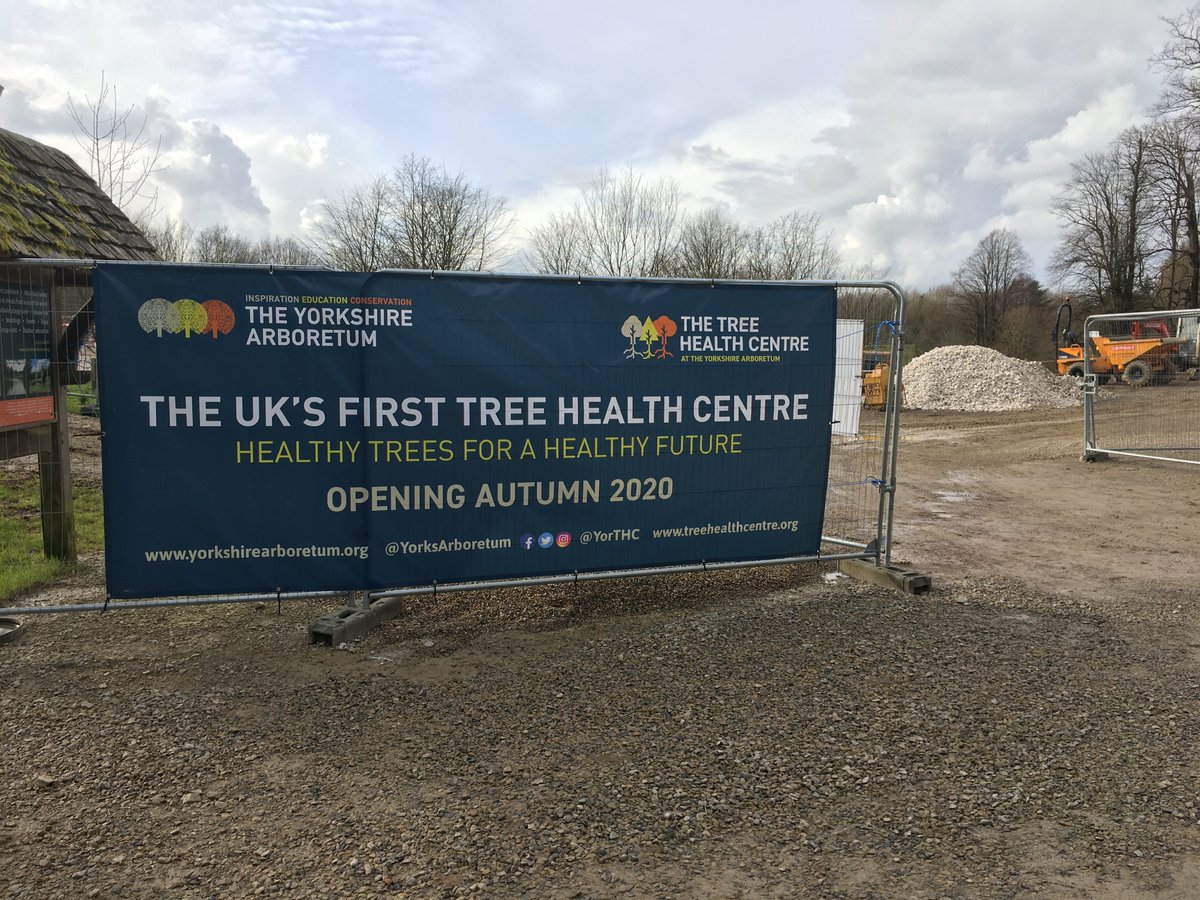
x=40, y=309
x=1142, y=393
x=858, y=504
x=862, y=480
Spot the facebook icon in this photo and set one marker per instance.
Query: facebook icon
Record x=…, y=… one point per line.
x=526, y=541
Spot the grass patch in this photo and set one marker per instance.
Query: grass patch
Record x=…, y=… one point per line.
x=22, y=564
x=77, y=398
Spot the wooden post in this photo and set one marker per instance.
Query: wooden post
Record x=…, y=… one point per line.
x=54, y=465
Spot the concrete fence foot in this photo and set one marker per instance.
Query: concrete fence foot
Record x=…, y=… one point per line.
x=352, y=622
x=886, y=576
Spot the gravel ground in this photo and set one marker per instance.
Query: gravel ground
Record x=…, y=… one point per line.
x=760, y=733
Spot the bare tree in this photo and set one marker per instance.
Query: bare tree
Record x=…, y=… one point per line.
x=1173, y=152
x=419, y=217
x=1108, y=222
x=625, y=225
x=630, y=227
x=984, y=286
x=353, y=228
x=219, y=244
x=285, y=251
x=711, y=245
x=442, y=221
x=1174, y=157
x=556, y=247
x=178, y=241
x=792, y=247
x=1179, y=60
x=121, y=156
x=1172, y=190
x=172, y=238
x=622, y=225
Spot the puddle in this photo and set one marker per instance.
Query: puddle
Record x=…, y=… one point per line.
x=954, y=496
x=944, y=498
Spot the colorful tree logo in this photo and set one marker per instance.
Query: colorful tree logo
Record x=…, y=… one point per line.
x=159, y=315
x=220, y=317
x=192, y=317
x=188, y=317
x=666, y=328
x=649, y=337
x=631, y=328
x=648, y=332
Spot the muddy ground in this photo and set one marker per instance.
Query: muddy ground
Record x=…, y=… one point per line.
x=1029, y=728
x=1009, y=494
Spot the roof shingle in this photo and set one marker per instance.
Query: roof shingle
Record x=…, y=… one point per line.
x=51, y=209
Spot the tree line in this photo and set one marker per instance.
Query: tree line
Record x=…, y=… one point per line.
x=421, y=216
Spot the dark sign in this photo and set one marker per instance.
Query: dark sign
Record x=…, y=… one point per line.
x=26, y=395
x=309, y=430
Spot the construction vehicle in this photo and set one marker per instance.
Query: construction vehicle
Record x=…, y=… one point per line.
x=1146, y=356
x=876, y=372
x=1068, y=351
x=1188, y=328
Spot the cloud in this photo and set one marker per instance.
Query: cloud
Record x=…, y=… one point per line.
x=209, y=174
x=911, y=126
x=952, y=120
x=974, y=120
x=23, y=107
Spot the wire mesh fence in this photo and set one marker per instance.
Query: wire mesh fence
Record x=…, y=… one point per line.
x=50, y=440
x=866, y=418
x=43, y=312
x=1142, y=397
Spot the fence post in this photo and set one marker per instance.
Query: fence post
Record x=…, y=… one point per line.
x=54, y=465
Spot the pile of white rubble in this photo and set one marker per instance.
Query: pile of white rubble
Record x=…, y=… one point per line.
x=979, y=379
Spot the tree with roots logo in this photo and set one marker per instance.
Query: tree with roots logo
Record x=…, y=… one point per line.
x=666, y=328
x=632, y=329
x=649, y=337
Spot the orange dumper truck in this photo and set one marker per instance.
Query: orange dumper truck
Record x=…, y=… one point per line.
x=1147, y=356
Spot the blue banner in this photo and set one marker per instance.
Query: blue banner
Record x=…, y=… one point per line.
x=312, y=430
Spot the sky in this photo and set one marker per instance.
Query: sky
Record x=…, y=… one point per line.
x=913, y=127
